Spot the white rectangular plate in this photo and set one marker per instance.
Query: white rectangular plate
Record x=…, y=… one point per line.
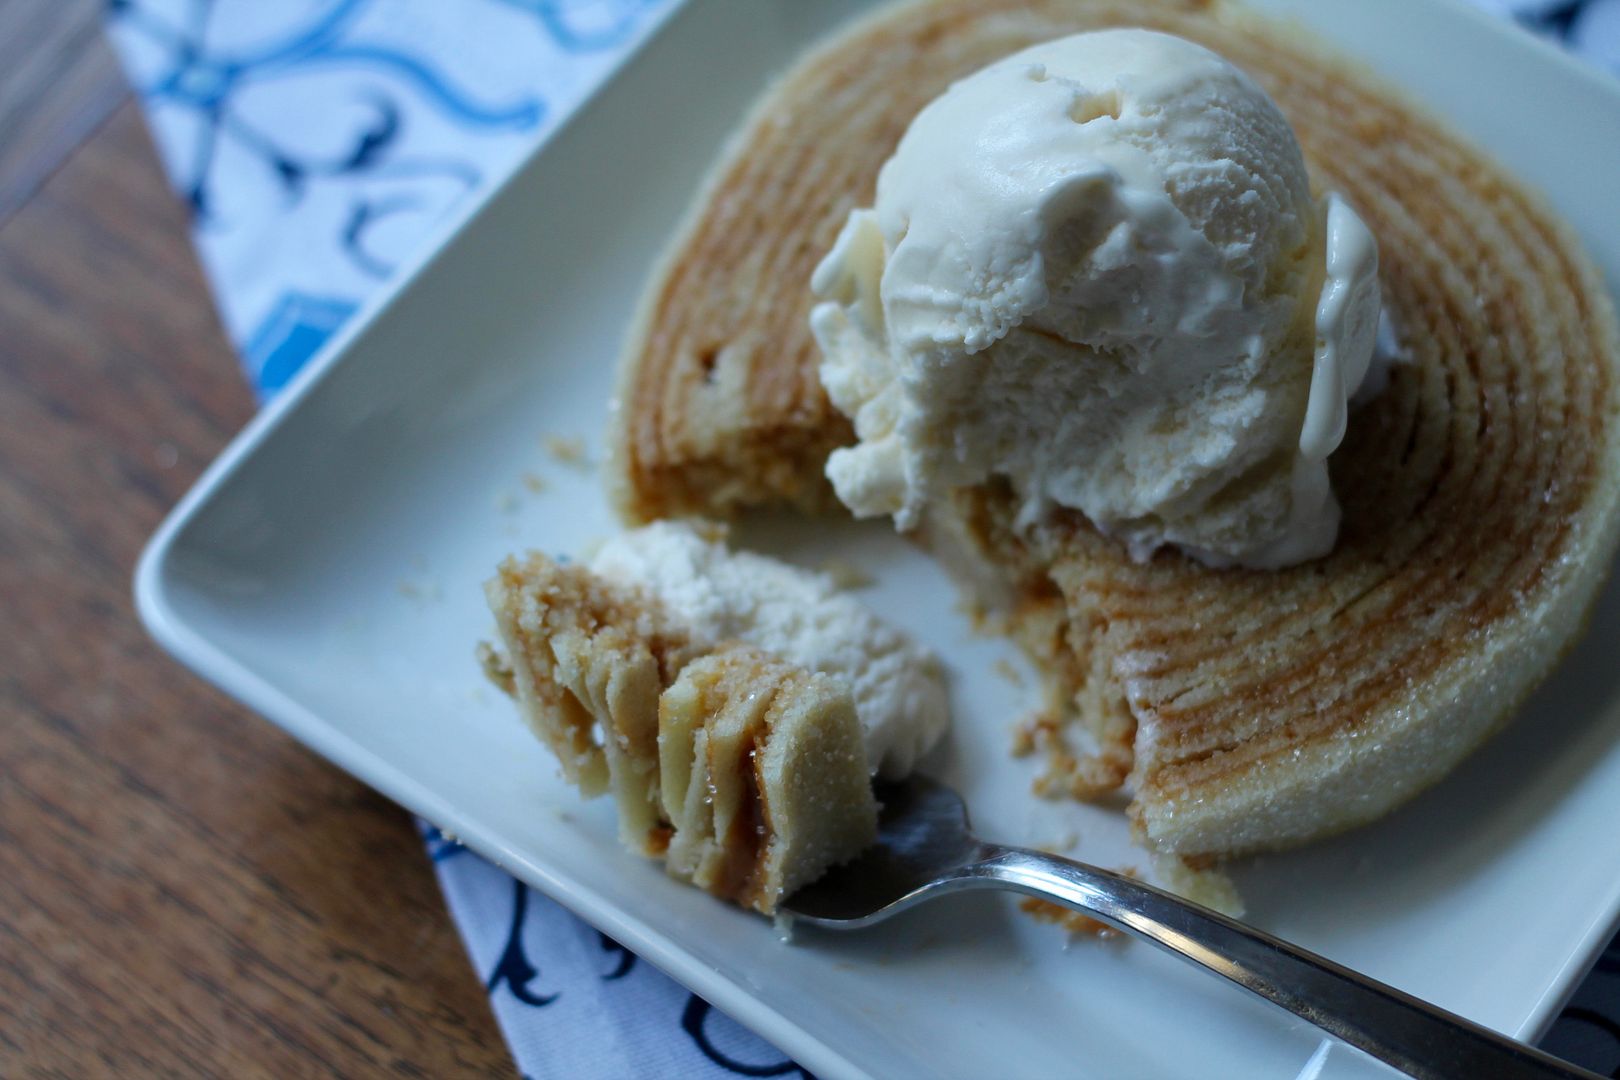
x=326, y=570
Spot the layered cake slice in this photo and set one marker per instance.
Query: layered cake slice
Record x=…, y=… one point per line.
x=733, y=729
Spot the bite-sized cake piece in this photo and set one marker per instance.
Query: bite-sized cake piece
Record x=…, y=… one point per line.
x=1247, y=709
x=764, y=776
x=744, y=768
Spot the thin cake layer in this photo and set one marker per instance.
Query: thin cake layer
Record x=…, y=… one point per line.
x=1247, y=709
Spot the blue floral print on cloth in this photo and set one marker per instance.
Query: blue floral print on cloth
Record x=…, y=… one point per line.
x=320, y=144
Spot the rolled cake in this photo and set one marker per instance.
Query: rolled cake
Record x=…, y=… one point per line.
x=1245, y=710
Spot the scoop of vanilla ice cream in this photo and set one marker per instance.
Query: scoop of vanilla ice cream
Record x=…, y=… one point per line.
x=725, y=595
x=1096, y=268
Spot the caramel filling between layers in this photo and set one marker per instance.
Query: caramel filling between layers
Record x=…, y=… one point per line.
x=746, y=843
x=741, y=875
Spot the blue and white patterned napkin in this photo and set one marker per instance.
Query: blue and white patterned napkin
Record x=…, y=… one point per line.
x=319, y=143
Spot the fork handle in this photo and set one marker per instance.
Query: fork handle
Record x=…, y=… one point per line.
x=1394, y=1027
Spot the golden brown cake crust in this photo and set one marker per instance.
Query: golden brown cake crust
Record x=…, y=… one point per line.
x=1251, y=709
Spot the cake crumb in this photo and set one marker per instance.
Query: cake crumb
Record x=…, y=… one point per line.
x=570, y=450
x=982, y=621
x=1009, y=671
x=1202, y=881
x=423, y=591
x=1073, y=921
x=845, y=575
x=1023, y=742
x=1035, y=731
x=1071, y=772
x=534, y=482
x=497, y=669
x=505, y=502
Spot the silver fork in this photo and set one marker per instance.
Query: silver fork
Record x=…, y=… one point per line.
x=925, y=849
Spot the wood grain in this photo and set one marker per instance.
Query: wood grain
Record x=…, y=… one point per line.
x=184, y=891
x=57, y=85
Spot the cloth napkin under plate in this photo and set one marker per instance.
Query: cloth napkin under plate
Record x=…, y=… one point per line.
x=319, y=144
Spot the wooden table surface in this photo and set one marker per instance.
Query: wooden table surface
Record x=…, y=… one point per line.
x=184, y=891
